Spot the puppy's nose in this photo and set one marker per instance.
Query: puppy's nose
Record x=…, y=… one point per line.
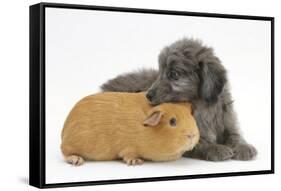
x=150, y=94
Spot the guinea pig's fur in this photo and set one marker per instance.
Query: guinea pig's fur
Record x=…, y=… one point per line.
x=110, y=126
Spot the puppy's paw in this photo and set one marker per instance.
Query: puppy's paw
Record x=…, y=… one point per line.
x=244, y=152
x=219, y=153
x=133, y=161
x=74, y=160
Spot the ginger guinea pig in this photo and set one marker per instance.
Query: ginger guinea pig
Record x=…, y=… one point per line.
x=112, y=125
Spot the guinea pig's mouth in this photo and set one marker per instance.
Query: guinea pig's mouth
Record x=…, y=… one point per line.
x=187, y=147
x=191, y=143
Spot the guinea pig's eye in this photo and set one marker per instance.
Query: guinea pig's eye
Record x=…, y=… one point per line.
x=173, y=75
x=173, y=122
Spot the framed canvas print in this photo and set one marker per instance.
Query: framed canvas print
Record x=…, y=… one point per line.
x=123, y=95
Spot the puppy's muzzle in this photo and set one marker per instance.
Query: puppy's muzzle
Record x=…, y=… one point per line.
x=150, y=94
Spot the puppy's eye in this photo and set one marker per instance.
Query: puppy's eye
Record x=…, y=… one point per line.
x=173, y=122
x=173, y=75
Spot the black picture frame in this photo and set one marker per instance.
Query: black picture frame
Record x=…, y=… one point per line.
x=37, y=94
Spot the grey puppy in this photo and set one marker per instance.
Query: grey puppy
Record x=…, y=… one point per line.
x=189, y=71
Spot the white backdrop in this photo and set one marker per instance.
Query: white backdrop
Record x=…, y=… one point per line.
x=85, y=48
x=14, y=94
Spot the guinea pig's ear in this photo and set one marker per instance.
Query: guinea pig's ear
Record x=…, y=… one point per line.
x=153, y=118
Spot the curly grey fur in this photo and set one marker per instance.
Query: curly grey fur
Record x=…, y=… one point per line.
x=202, y=81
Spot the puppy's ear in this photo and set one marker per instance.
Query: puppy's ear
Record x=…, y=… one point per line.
x=153, y=118
x=163, y=56
x=212, y=80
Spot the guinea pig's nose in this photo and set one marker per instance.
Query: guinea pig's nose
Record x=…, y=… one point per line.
x=191, y=136
x=150, y=94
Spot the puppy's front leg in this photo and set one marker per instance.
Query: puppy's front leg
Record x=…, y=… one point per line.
x=210, y=151
x=242, y=150
x=233, y=138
